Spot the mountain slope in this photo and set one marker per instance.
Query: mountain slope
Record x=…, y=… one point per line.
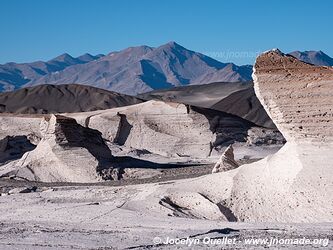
x=245, y=104
x=61, y=98
x=314, y=57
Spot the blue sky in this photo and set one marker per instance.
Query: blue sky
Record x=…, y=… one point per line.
x=227, y=30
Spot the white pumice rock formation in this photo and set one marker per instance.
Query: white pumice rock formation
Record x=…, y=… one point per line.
x=144, y=137
x=167, y=129
x=226, y=161
x=67, y=152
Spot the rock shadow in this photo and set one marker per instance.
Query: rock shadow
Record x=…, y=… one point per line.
x=124, y=129
x=227, y=127
x=71, y=134
x=14, y=147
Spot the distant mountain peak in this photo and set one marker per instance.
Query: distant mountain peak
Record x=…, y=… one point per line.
x=134, y=50
x=88, y=57
x=173, y=45
x=63, y=57
x=313, y=57
x=86, y=54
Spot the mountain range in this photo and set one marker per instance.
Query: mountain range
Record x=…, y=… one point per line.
x=130, y=71
x=135, y=70
x=15, y=75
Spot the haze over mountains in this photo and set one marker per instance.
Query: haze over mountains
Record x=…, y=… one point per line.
x=135, y=70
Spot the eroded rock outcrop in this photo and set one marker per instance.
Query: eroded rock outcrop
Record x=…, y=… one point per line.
x=226, y=161
x=168, y=129
x=294, y=184
x=67, y=152
x=167, y=132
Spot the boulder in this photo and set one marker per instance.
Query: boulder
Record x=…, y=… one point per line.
x=226, y=161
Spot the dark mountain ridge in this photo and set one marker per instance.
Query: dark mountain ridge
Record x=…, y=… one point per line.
x=43, y=99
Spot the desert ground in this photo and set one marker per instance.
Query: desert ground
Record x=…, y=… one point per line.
x=101, y=217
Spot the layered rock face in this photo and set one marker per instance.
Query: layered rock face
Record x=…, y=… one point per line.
x=297, y=96
x=67, y=152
